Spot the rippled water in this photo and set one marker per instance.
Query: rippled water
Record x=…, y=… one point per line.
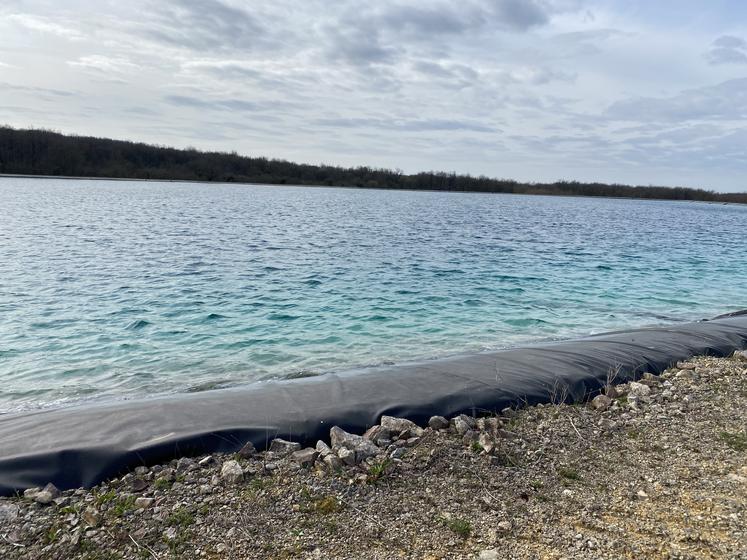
x=127, y=289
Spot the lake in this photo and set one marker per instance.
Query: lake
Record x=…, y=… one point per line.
x=123, y=289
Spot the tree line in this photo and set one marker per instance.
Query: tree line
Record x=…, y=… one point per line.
x=43, y=152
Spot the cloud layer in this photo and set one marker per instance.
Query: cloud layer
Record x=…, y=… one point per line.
x=528, y=89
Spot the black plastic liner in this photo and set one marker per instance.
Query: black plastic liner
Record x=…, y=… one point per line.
x=83, y=446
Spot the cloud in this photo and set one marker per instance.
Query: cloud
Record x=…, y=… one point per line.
x=44, y=25
x=728, y=49
x=104, y=64
x=519, y=15
x=203, y=25
x=39, y=91
x=726, y=101
x=230, y=104
x=406, y=125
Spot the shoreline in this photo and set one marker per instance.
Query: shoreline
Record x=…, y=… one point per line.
x=353, y=187
x=101, y=441
x=653, y=468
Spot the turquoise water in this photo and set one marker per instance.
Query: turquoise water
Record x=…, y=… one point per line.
x=130, y=289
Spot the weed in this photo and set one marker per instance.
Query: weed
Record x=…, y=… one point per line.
x=460, y=526
x=104, y=498
x=378, y=470
x=182, y=517
x=123, y=505
x=162, y=484
x=738, y=442
x=570, y=474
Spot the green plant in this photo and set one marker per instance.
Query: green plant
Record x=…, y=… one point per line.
x=568, y=473
x=123, y=505
x=182, y=517
x=378, y=470
x=104, y=498
x=738, y=442
x=461, y=527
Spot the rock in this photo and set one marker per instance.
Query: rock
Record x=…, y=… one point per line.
x=486, y=442
x=232, y=472
x=612, y=392
x=346, y=455
x=141, y=470
x=601, y=402
x=398, y=453
x=438, y=423
x=463, y=424
x=248, y=450
x=143, y=503
x=377, y=434
x=641, y=495
x=47, y=494
x=185, y=464
x=91, y=517
x=29, y=493
x=504, y=526
x=8, y=513
x=283, y=447
x=639, y=389
x=362, y=447
x=740, y=355
x=209, y=459
x=138, y=484
x=470, y=437
x=685, y=365
x=323, y=449
x=332, y=462
x=490, y=554
x=508, y=412
x=305, y=457
x=170, y=534
x=651, y=378
x=399, y=425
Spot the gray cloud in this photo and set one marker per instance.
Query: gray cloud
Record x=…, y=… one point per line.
x=728, y=49
x=237, y=105
x=409, y=125
x=203, y=24
x=725, y=101
x=520, y=15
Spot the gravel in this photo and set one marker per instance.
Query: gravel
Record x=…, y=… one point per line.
x=657, y=470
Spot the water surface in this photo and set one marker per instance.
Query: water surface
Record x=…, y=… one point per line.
x=130, y=289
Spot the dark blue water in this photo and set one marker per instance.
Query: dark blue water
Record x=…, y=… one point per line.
x=128, y=289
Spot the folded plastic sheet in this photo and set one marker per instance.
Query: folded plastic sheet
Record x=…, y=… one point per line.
x=82, y=446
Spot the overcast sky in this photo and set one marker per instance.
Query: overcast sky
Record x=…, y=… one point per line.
x=638, y=91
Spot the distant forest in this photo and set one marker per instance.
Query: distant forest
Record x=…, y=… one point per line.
x=42, y=152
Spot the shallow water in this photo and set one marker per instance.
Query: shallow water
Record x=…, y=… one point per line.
x=130, y=289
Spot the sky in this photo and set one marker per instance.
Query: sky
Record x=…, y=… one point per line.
x=627, y=91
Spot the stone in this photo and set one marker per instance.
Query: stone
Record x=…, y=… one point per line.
x=141, y=470
x=438, y=423
x=138, y=484
x=170, y=534
x=362, y=447
x=29, y=493
x=651, y=378
x=332, y=462
x=248, y=450
x=8, y=513
x=399, y=425
x=612, y=392
x=398, y=453
x=283, y=447
x=185, y=464
x=209, y=459
x=601, y=402
x=377, y=434
x=639, y=389
x=504, y=526
x=232, y=472
x=463, y=424
x=346, y=455
x=323, y=448
x=740, y=355
x=490, y=554
x=487, y=442
x=305, y=457
x=143, y=503
x=470, y=437
x=685, y=365
x=91, y=517
x=47, y=494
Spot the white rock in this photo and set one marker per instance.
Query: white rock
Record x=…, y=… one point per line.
x=399, y=425
x=490, y=554
x=639, y=389
x=283, y=447
x=232, y=472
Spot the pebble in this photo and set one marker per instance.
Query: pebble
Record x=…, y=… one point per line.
x=232, y=472
x=601, y=402
x=490, y=554
x=438, y=423
x=283, y=447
